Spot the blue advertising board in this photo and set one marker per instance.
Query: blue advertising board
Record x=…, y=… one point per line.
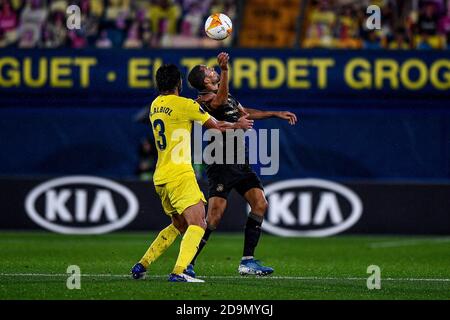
x=74, y=111
x=258, y=77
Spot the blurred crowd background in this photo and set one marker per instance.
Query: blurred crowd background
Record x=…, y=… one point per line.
x=406, y=24
x=109, y=23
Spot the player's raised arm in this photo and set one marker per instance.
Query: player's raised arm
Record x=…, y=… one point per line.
x=256, y=114
x=242, y=123
x=221, y=96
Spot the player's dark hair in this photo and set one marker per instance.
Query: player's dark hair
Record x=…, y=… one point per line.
x=168, y=78
x=196, y=78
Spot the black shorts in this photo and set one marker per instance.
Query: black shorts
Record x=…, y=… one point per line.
x=222, y=178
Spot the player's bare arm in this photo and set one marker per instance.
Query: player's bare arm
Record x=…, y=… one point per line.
x=256, y=114
x=242, y=123
x=221, y=97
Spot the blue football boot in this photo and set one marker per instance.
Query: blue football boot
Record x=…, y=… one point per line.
x=182, y=278
x=190, y=271
x=138, y=271
x=253, y=267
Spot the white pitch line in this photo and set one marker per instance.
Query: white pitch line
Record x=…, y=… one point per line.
x=223, y=277
x=403, y=243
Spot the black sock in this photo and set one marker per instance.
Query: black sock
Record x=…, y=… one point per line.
x=252, y=234
x=203, y=242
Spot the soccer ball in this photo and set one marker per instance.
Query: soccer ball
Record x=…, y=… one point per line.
x=218, y=26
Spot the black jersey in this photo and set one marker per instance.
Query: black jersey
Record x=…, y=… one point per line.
x=228, y=112
x=222, y=178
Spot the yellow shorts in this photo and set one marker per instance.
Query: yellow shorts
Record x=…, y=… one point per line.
x=180, y=194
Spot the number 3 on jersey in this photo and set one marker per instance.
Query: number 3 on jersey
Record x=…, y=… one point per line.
x=158, y=125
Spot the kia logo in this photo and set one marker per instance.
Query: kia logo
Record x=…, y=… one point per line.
x=310, y=208
x=81, y=205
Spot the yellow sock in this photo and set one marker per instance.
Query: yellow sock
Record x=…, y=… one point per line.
x=163, y=241
x=188, y=248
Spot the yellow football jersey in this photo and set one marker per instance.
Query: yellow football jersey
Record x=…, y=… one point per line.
x=171, y=117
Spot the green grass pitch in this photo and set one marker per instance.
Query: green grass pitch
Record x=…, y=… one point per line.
x=33, y=266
